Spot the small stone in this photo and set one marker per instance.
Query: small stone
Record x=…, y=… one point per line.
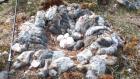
x=66, y=35
x=17, y=47
x=52, y=73
x=100, y=21
x=62, y=43
x=42, y=74
x=60, y=37
x=91, y=75
x=77, y=36
x=35, y=63
x=79, y=44
x=3, y=75
x=67, y=43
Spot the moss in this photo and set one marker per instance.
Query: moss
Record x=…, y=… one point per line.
x=3, y=60
x=1, y=8
x=4, y=48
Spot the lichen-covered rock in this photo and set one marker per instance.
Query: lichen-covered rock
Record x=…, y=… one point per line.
x=79, y=44
x=98, y=66
x=67, y=42
x=17, y=47
x=61, y=64
x=83, y=23
x=35, y=64
x=91, y=75
x=99, y=21
x=77, y=35
x=41, y=55
x=57, y=54
x=95, y=29
x=130, y=5
x=51, y=12
x=43, y=72
x=109, y=60
x=29, y=33
x=60, y=37
x=84, y=56
x=23, y=59
x=75, y=11
x=40, y=19
x=3, y=75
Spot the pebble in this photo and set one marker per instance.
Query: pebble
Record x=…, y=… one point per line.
x=17, y=47
x=79, y=44
x=3, y=75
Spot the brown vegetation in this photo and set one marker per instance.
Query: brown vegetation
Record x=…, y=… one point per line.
x=45, y=4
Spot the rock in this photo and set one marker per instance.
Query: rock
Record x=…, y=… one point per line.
x=88, y=40
x=67, y=43
x=54, y=24
x=41, y=55
x=61, y=64
x=107, y=50
x=23, y=59
x=51, y=12
x=109, y=44
x=3, y=75
x=84, y=56
x=95, y=29
x=17, y=47
x=35, y=64
x=75, y=11
x=66, y=35
x=77, y=36
x=53, y=72
x=46, y=55
x=95, y=46
x=83, y=23
x=29, y=33
x=105, y=41
x=44, y=71
x=99, y=21
x=57, y=54
x=130, y=5
x=63, y=43
x=3, y=1
x=40, y=19
x=60, y=37
x=97, y=65
x=109, y=60
x=70, y=42
x=91, y=75
x=42, y=74
x=79, y=44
